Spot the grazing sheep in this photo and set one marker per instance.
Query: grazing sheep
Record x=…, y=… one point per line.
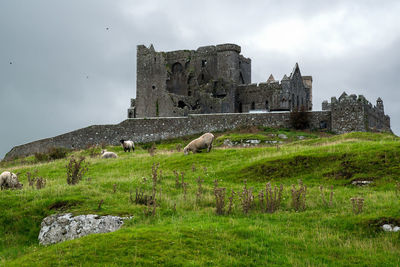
x=106, y=155
x=204, y=141
x=9, y=180
x=127, y=145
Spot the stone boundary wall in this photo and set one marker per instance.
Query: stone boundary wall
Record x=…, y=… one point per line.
x=144, y=130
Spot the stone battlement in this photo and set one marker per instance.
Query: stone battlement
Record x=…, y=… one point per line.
x=352, y=113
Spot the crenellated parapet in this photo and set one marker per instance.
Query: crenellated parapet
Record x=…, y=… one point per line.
x=355, y=113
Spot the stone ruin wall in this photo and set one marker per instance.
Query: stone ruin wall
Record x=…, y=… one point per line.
x=155, y=129
x=291, y=93
x=352, y=113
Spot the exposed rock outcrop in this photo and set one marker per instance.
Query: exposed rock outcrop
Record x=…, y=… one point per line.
x=62, y=227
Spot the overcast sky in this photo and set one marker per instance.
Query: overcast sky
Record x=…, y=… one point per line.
x=68, y=64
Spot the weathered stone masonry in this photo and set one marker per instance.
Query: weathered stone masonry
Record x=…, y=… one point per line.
x=154, y=129
x=211, y=79
x=351, y=113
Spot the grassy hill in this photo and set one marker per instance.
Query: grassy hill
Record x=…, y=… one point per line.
x=186, y=229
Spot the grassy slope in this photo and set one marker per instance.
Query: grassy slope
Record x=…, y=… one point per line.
x=192, y=234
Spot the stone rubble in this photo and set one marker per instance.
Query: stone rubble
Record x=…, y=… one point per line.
x=253, y=141
x=390, y=228
x=282, y=136
x=361, y=183
x=228, y=143
x=61, y=227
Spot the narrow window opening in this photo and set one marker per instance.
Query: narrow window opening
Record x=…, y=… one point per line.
x=240, y=107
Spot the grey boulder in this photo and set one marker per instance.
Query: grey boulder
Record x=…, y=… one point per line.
x=62, y=227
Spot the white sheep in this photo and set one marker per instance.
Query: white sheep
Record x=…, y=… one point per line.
x=106, y=154
x=9, y=180
x=204, y=141
x=127, y=145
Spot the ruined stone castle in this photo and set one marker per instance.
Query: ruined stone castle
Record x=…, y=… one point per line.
x=190, y=92
x=211, y=79
x=217, y=79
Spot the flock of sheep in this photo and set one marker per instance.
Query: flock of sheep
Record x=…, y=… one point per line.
x=9, y=180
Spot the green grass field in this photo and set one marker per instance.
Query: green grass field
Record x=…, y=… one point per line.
x=189, y=232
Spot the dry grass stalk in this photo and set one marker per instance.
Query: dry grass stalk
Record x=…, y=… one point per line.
x=150, y=209
x=358, y=204
x=193, y=167
x=299, y=197
x=326, y=203
x=205, y=169
x=184, y=187
x=100, y=203
x=273, y=198
x=151, y=202
x=35, y=181
x=261, y=200
x=174, y=207
x=40, y=183
x=152, y=150
x=215, y=184
x=219, y=193
x=154, y=176
x=76, y=169
x=114, y=188
x=230, y=207
x=93, y=151
x=177, y=183
x=178, y=147
x=199, y=192
x=141, y=198
x=246, y=198
x=182, y=178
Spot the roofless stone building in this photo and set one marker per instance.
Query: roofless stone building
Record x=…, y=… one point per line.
x=211, y=79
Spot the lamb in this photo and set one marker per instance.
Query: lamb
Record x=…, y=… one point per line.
x=204, y=141
x=9, y=180
x=127, y=145
x=106, y=154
